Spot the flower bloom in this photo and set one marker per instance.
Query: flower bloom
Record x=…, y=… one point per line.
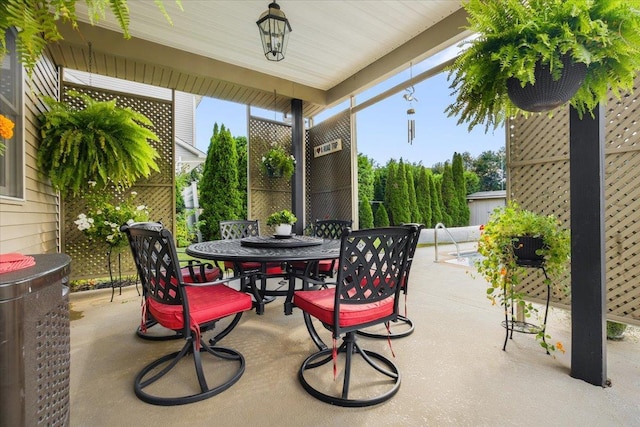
x=141, y=208
x=6, y=127
x=83, y=222
x=560, y=347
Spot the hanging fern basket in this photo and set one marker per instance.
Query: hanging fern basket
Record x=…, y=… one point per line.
x=547, y=94
x=101, y=142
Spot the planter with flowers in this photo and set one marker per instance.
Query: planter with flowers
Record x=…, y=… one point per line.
x=503, y=239
x=277, y=162
x=282, y=220
x=103, y=218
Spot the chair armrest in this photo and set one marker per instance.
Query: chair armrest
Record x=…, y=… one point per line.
x=198, y=269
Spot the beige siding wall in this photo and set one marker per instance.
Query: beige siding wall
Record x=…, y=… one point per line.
x=185, y=117
x=31, y=226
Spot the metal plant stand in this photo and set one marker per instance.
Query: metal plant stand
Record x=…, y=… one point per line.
x=512, y=324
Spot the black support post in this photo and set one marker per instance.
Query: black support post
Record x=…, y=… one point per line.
x=588, y=283
x=297, y=143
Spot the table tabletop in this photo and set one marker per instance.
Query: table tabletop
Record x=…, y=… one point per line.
x=235, y=250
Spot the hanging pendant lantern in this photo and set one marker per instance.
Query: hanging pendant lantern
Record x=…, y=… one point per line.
x=274, y=30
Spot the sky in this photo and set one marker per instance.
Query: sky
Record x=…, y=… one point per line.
x=382, y=127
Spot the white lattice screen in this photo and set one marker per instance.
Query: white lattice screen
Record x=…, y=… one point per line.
x=89, y=259
x=538, y=171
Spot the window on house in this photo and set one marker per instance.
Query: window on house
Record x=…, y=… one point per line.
x=12, y=161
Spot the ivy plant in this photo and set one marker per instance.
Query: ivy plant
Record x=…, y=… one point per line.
x=101, y=142
x=513, y=35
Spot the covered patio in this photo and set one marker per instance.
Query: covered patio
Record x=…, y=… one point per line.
x=454, y=371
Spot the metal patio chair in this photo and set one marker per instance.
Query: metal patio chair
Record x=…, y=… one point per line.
x=403, y=326
x=371, y=266
x=192, y=309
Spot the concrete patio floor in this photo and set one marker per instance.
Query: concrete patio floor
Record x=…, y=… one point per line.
x=454, y=371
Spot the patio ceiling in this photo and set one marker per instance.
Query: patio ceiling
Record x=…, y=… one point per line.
x=337, y=48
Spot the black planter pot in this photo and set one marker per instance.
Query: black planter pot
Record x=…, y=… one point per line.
x=547, y=94
x=524, y=250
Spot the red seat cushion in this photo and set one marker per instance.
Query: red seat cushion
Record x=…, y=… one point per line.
x=324, y=266
x=210, y=275
x=320, y=304
x=205, y=304
x=273, y=268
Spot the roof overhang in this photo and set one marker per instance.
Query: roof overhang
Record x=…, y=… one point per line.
x=149, y=57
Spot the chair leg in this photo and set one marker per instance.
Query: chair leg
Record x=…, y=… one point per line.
x=403, y=322
x=166, y=363
x=148, y=324
x=213, y=341
x=349, y=348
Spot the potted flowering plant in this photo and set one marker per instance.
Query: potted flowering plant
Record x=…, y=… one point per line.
x=282, y=221
x=277, y=162
x=510, y=228
x=102, y=221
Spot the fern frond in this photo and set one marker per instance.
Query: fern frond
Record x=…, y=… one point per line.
x=36, y=23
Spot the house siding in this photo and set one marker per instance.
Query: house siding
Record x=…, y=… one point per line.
x=185, y=113
x=30, y=226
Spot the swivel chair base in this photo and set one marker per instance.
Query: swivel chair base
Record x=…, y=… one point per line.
x=404, y=323
x=158, y=368
x=386, y=369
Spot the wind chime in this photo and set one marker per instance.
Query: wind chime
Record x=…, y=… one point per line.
x=411, y=122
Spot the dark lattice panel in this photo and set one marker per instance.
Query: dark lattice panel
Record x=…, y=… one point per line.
x=538, y=163
x=89, y=259
x=266, y=194
x=328, y=178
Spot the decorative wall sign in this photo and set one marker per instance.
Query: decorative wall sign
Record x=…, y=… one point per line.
x=328, y=148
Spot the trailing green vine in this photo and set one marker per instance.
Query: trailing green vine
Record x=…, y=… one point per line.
x=499, y=265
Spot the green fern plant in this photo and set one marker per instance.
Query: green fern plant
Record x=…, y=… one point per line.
x=102, y=143
x=513, y=35
x=36, y=22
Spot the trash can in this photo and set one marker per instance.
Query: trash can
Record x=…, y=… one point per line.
x=34, y=343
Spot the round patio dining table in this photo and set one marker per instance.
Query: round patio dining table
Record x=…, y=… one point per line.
x=267, y=250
